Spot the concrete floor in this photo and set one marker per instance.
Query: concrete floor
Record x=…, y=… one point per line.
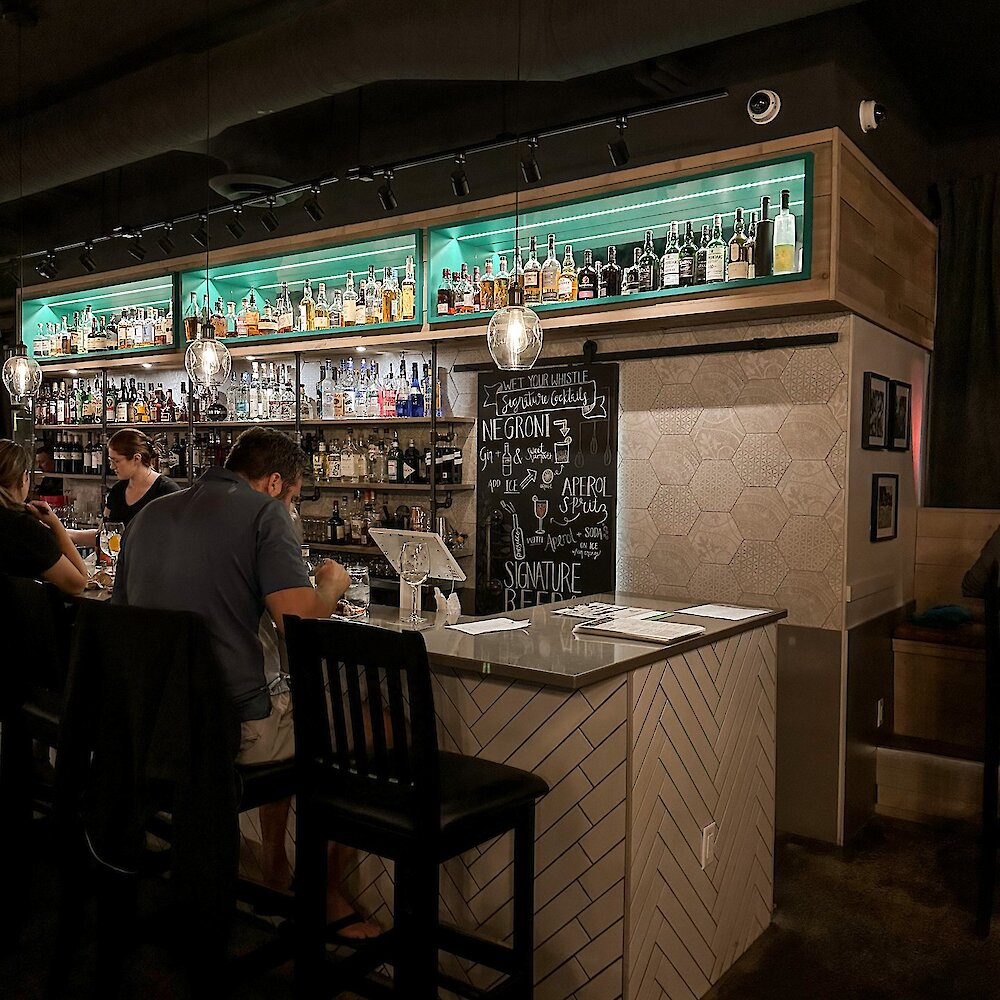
x=888, y=918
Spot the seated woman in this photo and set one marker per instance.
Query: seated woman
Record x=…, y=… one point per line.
x=134, y=459
x=33, y=542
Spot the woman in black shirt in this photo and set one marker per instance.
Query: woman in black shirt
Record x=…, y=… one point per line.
x=33, y=542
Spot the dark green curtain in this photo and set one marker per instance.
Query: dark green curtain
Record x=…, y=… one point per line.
x=963, y=456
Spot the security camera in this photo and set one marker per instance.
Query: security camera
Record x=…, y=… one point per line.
x=871, y=114
x=763, y=106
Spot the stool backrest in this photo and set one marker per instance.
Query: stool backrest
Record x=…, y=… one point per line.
x=364, y=710
x=992, y=732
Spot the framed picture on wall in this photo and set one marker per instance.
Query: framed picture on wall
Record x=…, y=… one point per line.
x=885, y=506
x=875, y=412
x=899, y=410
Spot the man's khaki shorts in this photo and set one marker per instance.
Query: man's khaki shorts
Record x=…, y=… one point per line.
x=264, y=741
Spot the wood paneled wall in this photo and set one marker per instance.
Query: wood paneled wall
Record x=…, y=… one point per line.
x=949, y=540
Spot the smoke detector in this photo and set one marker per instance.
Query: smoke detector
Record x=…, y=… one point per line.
x=239, y=187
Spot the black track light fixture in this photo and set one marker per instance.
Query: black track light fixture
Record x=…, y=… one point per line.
x=165, y=243
x=87, y=259
x=312, y=207
x=137, y=252
x=385, y=193
x=619, y=148
x=235, y=225
x=362, y=172
x=200, y=235
x=459, y=182
x=530, y=170
x=269, y=220
x=48, y=268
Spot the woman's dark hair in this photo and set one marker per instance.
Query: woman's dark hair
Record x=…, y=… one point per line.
x=130, y=443
x=14, y=463
x=261, y=451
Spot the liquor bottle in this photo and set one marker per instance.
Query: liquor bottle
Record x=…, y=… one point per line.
x=349, y=308
x=253, y=316
x=631, y=277
x=121, y=405
x=533, y=275
x=383, y=460
x=411, y=463
x=752, y=245
x=517, y=275
x=486, y=285
x=649, y=266
x=701, y=260
x=357, y=515
x=395, y=460
x=286, y=315
x=427, y=387
x=335, y=527
x=408, y=293
x=360, y=381
x=374, y=391
x=360, y=307
x=307, y=307
x=670, y=265
x=321, y=309
x=738, y=257
x=567, y=285
x=445, y=295
x=387, y=408
x=327, y=390
x=550, y=273
x=465, y=295
x=348, y=466
x=501, y=285
x=610, y=279
x=402, y=390
x=333, y=466
x=373, y=297
x=168, y=414
x=715, y=259
x=457, y=461
x=390, y=296
x=268, y=321
x=219, y=321
x=586, y=280
x=416, y=394
x=784, y=237
x=241, y=319
x=687, y=264
x=190, y=318
x=347, y=382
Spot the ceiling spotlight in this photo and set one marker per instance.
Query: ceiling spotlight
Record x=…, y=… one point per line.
x=619, y=148
x=269, y=220
x=385, y=193
x=361, y=348
x=530, y=170
x=312, y=206
x=137, y=251
x=235, y=226
x=459, y=182
x=48, y=268
x=200, y=235
x=146, y=364
x=86, y=260
x=165, y=243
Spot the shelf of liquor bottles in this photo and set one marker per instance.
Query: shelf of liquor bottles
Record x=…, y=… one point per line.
x=373, y=285
x=743, y=227
x=128, y=320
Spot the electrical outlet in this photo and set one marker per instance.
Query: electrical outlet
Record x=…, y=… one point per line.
x=880, y=713
x=708, y=836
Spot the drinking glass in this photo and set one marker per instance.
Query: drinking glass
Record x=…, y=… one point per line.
x=111, y=540
x=414, y=565
x=359, y=593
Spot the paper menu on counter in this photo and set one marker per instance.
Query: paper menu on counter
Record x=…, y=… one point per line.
x=595, y=609
x=490, y=625
x=726, y=612
x=647, y=626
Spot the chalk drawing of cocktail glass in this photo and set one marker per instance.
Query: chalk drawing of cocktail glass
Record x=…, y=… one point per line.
x=541, y=509
x=562, y=451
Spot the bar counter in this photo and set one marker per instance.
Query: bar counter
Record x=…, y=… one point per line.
x=643, y=747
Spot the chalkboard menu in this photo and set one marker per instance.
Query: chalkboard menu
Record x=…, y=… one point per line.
x=546, y=485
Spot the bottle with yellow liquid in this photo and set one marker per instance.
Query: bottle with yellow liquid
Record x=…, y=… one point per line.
x=784, y=238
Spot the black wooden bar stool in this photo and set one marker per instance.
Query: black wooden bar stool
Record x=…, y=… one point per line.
x=991, y=760
x=370, y=776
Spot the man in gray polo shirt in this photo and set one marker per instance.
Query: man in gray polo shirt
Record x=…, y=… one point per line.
x=226, y=549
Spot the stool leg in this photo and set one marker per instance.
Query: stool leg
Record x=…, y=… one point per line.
x=524, y=902
x=310, y=901
x=415, y=953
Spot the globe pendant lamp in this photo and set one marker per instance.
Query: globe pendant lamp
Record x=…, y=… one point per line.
x=21, y=374
x=514, y=336
x=207, y=360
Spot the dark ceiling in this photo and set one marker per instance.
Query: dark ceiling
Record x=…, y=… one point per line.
x=122, y=126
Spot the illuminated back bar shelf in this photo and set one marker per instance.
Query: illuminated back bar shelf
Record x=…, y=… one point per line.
x=621, y=219
x=234, y=282
x=106, y=301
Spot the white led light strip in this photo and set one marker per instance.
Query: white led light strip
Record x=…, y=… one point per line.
x=408, y=247
x=91, y=299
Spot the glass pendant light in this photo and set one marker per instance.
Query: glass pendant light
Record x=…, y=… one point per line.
x=207, y=360
x=21, y=374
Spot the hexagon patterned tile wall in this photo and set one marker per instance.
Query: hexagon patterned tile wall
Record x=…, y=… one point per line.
x=732, y=472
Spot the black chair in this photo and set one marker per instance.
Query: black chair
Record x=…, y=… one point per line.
x=991, y=759
x=371, y=776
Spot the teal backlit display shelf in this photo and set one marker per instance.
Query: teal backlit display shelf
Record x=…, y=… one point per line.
x=330, y=264
x=113, y=304
x=621, y=219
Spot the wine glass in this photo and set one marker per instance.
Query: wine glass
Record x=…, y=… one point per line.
x=111, y=540
x=541, y=509
x=414, y=566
